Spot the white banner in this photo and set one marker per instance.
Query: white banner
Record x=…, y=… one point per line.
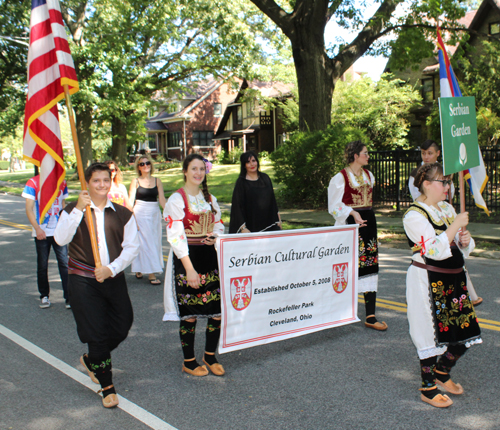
x=279, y=285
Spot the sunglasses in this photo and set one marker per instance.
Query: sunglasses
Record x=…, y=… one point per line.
x=443, y=181
x=147, y=163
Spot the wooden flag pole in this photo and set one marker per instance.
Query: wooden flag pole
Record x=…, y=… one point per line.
x=462, y=190
x=81, y=176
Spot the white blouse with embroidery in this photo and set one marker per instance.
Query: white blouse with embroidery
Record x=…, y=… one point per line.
x=175, y=229
x=420, y=231
x=339, y=210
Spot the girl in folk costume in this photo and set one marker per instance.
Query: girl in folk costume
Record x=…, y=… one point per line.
x=442, y=319
x=118, y=192
x=350, y=202
x=430, y=152
x=145, y=191
x=192, y=288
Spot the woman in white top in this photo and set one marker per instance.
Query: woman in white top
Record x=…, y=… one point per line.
x=192, y=288
x=145, y=192
x=118, y=192
x=350, y=202
x=441, y=316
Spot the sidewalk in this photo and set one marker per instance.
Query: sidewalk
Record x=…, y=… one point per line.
x=479, y=231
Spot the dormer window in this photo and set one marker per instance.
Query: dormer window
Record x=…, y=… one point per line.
x=494, y=28
x=428, y=89
x=239, y=115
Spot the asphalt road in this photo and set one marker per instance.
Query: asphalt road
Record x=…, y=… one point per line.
x=348, y=377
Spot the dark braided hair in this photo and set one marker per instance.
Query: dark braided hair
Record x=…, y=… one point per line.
x=204, y=185
x=427, y=172
x=353, y=148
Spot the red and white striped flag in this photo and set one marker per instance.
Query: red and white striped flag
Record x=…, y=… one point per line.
x=50, y=66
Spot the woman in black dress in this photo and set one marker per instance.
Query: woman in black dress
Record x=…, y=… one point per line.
x=254, y=206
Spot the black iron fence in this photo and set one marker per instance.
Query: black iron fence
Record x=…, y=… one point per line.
x=392, y=170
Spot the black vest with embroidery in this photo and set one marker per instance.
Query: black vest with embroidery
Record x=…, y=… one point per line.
x=457, y=258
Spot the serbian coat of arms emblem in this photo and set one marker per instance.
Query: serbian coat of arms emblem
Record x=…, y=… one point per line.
x=241, y=292
x=340, y=277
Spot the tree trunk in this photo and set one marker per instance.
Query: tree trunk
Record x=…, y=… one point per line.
x=315, y=83
x=84, y=117
x=119, y=141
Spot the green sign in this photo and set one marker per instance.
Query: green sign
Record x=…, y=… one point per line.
x=458, y=133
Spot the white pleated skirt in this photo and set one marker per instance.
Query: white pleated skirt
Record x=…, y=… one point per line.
x=150, y=258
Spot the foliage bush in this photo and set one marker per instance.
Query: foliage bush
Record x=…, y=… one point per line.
x=4, y=165
x=381, y=108
x=305, y=164
x=233, y=157
x=160, y=158
x=263, y=156
x=168, y=165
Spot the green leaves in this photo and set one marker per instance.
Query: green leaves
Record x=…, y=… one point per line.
x=382, y=109
x=305, y=164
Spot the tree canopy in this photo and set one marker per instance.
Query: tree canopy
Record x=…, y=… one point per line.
x=381, y=109
x=319, y=66
x=126, y=50
x=14, y=37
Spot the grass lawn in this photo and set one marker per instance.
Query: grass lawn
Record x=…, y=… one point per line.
x=221, y=180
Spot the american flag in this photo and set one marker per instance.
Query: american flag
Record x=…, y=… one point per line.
x=476, y=177
x=50, y=66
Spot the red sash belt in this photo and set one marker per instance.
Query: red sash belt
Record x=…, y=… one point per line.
x=76, y=267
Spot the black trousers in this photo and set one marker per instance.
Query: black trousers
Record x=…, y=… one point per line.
x=103, y=312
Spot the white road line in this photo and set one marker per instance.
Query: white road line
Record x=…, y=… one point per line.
x=127, y=406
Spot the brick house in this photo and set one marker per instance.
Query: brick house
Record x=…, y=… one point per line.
x=187, y=122
x=214, y=116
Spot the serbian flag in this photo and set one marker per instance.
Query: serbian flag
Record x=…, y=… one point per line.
x=475, y=177
x=50, y=66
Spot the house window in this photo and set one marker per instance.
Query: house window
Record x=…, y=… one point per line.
x=239, y=115
x=428, y=89
x=174, y=139
x=171, y=108
x=249, y=106
x=217, y=109
x=203, y=138
x=495, y=28
x=152, y=142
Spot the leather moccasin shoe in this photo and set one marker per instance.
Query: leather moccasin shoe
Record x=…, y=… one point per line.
x=451, y=387
x=478, y=301
x=438, y=401
x=215, y=368
x=110, y=401
x=199, y=371
x=381, y=326
x=91, y=374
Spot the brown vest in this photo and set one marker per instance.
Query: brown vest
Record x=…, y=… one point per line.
x=80, y=248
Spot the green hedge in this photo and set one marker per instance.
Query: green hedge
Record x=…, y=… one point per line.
x=306, y=163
